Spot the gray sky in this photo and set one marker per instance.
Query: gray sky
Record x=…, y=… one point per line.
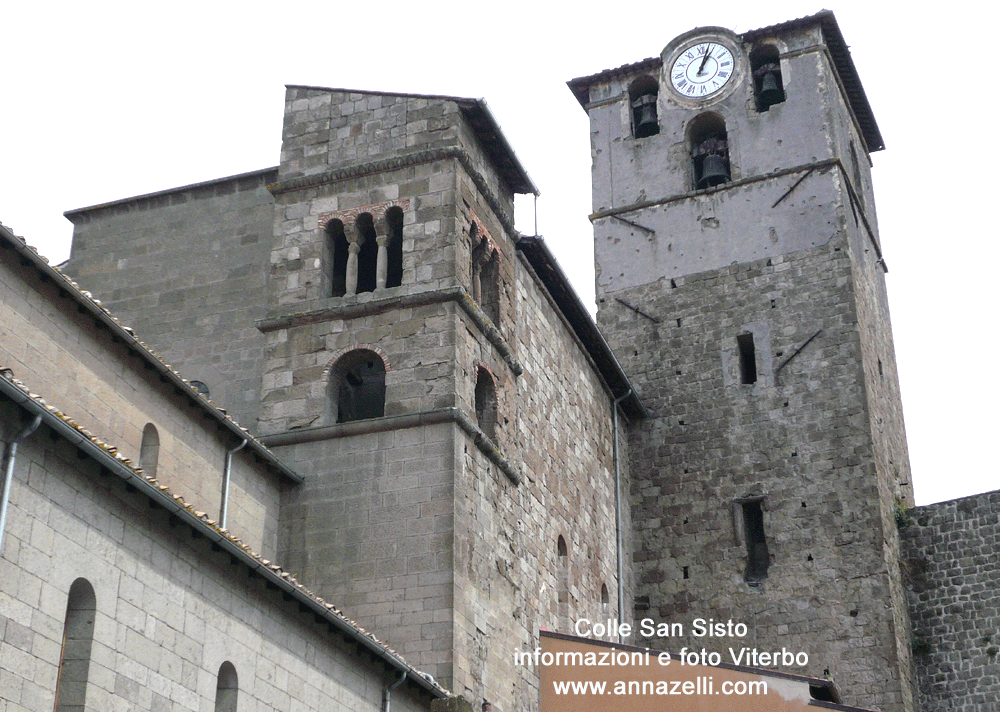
x=107, y=100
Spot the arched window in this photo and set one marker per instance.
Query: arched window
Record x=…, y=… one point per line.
x=394, y=246
x=765, y=66
x=486, y=402
x=709, y=151
x=227, y=688
x=368, y=254
x=642, y=98
x=486, y=275
x=338, y=251
x=357, y=387
x=605, y=598
x=149, y=451
x=78, y=639
x=562, y=553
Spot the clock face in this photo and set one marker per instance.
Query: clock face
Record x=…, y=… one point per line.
x=702, y=70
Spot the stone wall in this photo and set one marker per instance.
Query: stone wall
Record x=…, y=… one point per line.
x=371, y=528
x=108, y=386
x=184, y=269
x=950, y=562
x=797, y=438
x=169, y=609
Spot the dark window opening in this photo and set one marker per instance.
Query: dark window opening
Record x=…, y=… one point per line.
x=605, y=597
x=78, y=639
x=486, y=402
x=880, y=367
x=368, y=255
x=685, y=572
x=765, y=66
x=338, y=252
x=357, y=387
x=486, y=276
x=709, y=151
x=561, y=549
x=642, y=98
x=758, y=558
x=394, y=247
x=748, y=358
x=227, y=688
x=149, y=451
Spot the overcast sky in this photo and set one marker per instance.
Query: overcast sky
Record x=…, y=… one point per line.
x=103, y=100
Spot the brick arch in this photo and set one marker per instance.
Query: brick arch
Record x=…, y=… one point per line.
x=355, y=384
x=377, y=211
x=328, y=369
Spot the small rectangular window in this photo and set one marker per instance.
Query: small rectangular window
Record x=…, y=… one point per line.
x=758, y=557
x=748, y=358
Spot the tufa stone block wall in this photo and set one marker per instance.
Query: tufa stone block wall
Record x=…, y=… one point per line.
x=169, y=611
x=104, y=386
x=371, y=528
x=182, y=268
x=798, y=438
x=509, y=578
x=949, y=559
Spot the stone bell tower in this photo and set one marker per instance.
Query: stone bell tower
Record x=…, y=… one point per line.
x=740, y=278
x=416, y=372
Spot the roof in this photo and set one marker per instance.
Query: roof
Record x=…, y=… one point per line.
x=548, y=270
x=483, y=124
x=221, y=540
x=839, y=52
x=86, y=304
x=269, y=174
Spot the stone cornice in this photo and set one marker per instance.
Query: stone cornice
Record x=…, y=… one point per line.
x=405, y=161
x=400, y=422
x=354, y=309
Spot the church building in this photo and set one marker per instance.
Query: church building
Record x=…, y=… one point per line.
x=360, y=440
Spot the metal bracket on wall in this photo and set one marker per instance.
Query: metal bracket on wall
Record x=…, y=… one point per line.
x=796, y=352
x=794, y=186
x=647, y=230
x=638, y=311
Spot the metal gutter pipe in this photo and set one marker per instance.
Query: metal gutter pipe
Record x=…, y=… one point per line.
x=618, y=513
x=8, y=470
x=226, y=474
x=387, y=691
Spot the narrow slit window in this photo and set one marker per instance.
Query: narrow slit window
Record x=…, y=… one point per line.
x=758, y=557
x=748, y=358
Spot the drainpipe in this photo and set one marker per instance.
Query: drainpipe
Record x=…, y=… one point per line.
x=387, y=691
x=224, y=508
x=618, y=515
x=8, y=470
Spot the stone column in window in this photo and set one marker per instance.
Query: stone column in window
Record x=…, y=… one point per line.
x=353, y=248
x=382, y=261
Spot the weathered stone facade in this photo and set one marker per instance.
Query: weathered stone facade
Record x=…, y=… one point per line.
x=752, y=317
x=119, y=586
x=949, y=558
x=368, y=311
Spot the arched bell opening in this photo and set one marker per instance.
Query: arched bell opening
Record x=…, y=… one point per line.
x=368, y=254
x=765, y=67
x=337, y=250
x=709, y=146
x=642, y=95
x=394, y=246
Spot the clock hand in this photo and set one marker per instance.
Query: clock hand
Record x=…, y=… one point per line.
x=701, y=67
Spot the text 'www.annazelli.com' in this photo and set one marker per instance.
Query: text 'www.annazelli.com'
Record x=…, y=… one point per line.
x=701, y=685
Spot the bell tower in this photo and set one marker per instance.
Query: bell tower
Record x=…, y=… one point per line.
x=741, y=281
